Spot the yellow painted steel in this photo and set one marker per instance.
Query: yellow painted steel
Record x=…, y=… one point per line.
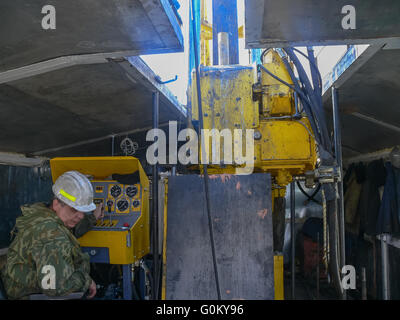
x=125, y=247
x=236, y=97
x=98, y=167
x=226, y=97
x=277, y=98
x=278, y=278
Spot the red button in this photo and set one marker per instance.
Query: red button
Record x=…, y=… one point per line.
x=126, y=224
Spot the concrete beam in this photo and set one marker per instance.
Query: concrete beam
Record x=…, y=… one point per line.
x=271, y=23
x=16, y=159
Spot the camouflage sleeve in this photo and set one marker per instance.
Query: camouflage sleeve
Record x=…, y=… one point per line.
x=85, y=225
x=61, y=268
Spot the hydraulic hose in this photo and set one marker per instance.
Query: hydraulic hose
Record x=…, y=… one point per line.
x=334, y=251
x=314, y=100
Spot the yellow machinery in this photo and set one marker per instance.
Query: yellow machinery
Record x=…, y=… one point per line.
x=122, y=236
x=237, y=97
x=244, y=97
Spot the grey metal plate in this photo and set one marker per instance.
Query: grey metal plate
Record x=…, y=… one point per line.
x=78, y=103
x=313, y=22
x=371, y=88
x=84, y=27
x=242, y=223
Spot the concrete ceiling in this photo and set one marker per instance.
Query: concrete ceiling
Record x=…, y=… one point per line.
x=81, y=105
x=67, y=91
x=271, y=23
x=85, y=27
x=369, y=101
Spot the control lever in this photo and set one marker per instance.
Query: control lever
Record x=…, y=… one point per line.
x=109, y=210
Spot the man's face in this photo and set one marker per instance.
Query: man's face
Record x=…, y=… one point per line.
x=67, y=214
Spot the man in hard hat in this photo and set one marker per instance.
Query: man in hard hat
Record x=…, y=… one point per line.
x=45, y=256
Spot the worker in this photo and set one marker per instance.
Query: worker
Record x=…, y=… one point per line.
x=45, y=256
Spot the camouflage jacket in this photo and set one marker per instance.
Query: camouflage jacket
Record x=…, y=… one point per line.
x=43, y=245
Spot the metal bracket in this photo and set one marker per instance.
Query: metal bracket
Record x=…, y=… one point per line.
x=158, y=79
x=323, y=174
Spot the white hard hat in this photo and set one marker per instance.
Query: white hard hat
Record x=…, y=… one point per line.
x=74, y=189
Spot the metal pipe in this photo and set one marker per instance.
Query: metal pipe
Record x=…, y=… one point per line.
x=147, y=277
x=385, y=267
x=223, y=48
x=292, y=236
x=363, y=284
x=112, y=145
x=338, y=156
x=156, y=102
x=318, y=255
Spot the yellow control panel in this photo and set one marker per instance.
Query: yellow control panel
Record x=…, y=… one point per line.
x=123, y=235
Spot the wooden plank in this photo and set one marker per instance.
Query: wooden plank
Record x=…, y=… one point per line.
x=242, y=222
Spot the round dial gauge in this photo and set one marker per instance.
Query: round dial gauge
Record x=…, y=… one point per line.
x=115, y=191
x=122, y=205
x=136, y=203
x=131, y=191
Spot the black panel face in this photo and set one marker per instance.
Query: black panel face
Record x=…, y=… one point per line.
x=136, y=203
x=122, y=205
x=131, y=191
x=115, y=191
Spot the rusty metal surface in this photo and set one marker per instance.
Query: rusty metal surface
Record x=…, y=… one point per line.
x=242, y=223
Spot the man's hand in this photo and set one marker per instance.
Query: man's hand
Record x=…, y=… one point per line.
x=92, y=290
x=99, y=211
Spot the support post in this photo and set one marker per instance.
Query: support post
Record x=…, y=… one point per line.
x=223, y=48
x=338, y=156
x=127, y=281
x=385, y=267
x=225, y=19
x=293, y=235
x=156, y=102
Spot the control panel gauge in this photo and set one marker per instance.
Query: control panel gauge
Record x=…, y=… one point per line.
x=131, y=191
x=115, y=191
x=122, y=205
x=135, y=203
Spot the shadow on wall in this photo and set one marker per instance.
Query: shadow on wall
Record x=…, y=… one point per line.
x=18, y=186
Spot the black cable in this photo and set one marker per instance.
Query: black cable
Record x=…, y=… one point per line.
x=206, y=178
x=312, y=63
x=305, y=102
x=313, y=99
